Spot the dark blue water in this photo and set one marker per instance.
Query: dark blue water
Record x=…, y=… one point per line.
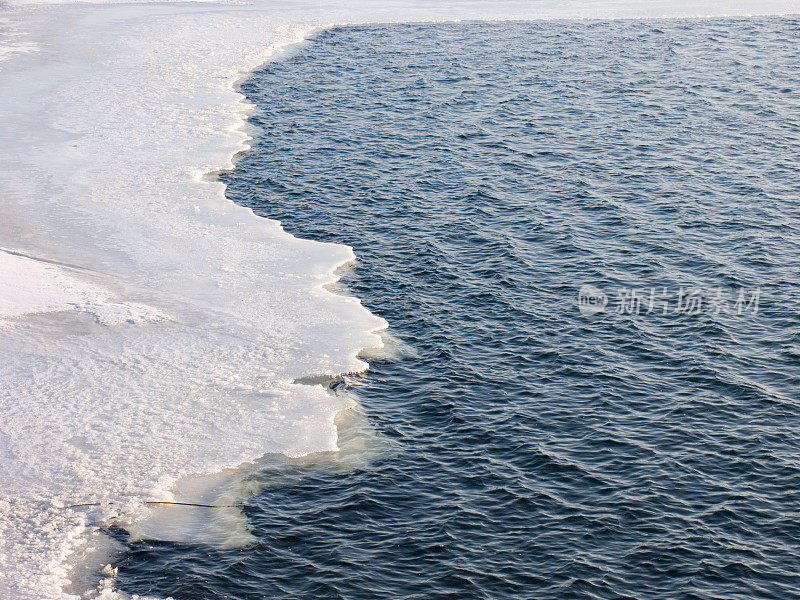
x=484, y=173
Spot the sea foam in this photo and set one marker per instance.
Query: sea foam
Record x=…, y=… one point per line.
x=153, y=331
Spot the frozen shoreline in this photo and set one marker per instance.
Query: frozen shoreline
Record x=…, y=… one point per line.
x=171, y=344
x=114, y=410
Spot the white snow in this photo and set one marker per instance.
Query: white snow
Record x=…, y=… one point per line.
x=32, y=286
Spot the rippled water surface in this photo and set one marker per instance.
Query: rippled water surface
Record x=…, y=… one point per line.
x=484, y=173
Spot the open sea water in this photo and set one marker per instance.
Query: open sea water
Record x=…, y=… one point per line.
x=586, y=239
